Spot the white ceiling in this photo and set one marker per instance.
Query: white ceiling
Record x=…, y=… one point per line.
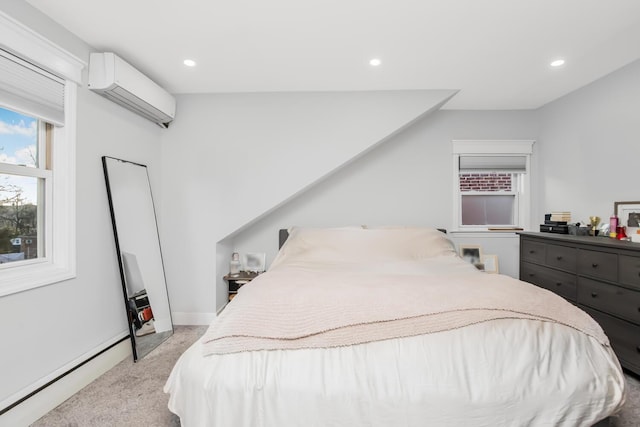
x=497, y=52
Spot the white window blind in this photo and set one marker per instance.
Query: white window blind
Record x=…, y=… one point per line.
x=492, y=184
x=516, y=164
x=29, y=89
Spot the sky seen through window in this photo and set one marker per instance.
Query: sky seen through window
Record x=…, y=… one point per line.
x=18, y=146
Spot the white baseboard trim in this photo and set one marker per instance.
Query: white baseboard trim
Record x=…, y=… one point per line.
x=38, y=405
x=185, y=318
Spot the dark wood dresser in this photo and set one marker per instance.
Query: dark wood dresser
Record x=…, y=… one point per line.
x=599, y=274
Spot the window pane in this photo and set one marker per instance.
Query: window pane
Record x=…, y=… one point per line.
x=488, y=209
x=486, y=182
x=18, y=139
x=19, y=217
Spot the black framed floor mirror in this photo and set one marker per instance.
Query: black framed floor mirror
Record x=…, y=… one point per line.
x=139, y=255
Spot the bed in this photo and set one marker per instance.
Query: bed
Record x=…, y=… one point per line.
x=389, y=327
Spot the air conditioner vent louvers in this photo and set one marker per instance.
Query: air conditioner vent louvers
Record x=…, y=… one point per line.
x=137, y=105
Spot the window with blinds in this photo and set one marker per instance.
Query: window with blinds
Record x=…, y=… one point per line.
x=34, y=101
x=38, y=84
x=491, y=181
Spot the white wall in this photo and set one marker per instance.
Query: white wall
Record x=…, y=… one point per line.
x=46, y=329
x=230, y=159
x=406, y=181
x=590, y=147
x=584, y=161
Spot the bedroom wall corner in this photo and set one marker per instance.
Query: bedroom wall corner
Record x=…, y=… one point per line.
x=589, y=147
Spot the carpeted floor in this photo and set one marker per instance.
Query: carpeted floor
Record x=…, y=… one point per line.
x=629, y=416
x=131, y=394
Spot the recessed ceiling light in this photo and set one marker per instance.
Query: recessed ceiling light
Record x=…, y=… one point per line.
x=557, y=63
x=189, y=62
x=375, y=62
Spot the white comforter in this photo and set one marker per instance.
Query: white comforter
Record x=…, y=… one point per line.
x=502, y=372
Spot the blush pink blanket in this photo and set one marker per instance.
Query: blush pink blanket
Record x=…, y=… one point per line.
x=294, y=307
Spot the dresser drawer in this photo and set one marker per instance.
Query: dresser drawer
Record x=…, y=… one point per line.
x=611, y=299
x=624, y=337
x=562, y=257
x=629, y=270
x=532, y=251
x=602, y=265
x=559, y=282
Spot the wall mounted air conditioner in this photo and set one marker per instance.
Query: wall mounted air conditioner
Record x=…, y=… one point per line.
x=115, y=79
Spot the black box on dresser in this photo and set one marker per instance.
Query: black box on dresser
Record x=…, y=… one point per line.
x=599, y=274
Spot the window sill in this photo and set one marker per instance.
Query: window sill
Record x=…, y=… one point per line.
x=23, y=278
x=485, y=233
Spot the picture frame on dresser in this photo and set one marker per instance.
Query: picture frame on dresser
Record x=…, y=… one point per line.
x=628, y=214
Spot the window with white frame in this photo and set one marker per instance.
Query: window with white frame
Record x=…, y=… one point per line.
x=492, y=184
x=25, y=185
x=38, y=83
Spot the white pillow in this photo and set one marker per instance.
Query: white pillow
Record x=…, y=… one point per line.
x=355, y=244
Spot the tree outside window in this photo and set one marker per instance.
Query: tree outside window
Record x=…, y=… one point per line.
x=21, y=186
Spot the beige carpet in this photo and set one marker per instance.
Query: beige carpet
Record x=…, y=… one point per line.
x=131, y=394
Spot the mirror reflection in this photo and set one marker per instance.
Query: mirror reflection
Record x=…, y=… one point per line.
x=139, y=255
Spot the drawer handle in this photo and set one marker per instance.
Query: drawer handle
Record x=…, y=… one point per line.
x=559, y=284
x=594, y=294
x=532, y=252
x=531, y=274
x=559, y=258
x=594, y=265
